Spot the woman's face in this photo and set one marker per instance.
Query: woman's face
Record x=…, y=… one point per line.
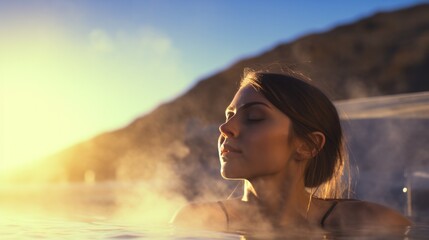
x=255, y=139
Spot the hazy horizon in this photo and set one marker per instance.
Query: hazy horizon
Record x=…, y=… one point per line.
x=72, y=70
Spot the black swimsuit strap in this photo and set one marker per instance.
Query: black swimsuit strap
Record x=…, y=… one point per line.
x=322, y=222
x=226, y=213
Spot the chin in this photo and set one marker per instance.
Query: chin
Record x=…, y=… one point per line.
x=230, y=174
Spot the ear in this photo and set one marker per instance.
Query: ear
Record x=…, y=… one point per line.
x=319, y=141
x=309, y=150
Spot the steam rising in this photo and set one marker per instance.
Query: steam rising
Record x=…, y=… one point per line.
x=386, y=135
x=388, y=141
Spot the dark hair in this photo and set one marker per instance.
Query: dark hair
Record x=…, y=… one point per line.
x=309, y=110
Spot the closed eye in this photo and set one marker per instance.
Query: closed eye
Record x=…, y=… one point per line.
x=254, y=120
x=243, y=107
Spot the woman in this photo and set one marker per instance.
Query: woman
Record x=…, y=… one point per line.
x=283, y=137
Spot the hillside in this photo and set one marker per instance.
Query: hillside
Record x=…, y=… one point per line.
x=387, y=53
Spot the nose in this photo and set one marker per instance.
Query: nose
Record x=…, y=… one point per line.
x=227, y=130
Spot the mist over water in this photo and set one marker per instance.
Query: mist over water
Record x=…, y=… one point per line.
x=387, y=138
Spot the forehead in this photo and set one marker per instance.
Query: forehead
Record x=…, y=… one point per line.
x=245, y=95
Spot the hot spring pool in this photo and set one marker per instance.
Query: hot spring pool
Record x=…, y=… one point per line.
x=58, y=228
x=118, y=211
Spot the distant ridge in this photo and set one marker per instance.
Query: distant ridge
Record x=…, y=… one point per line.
x=387, y=53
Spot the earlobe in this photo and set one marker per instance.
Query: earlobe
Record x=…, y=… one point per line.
x=306, y=150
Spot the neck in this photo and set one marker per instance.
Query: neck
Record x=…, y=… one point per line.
x=276, y=198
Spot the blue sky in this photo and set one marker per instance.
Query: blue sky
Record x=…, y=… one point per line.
x=71, y=69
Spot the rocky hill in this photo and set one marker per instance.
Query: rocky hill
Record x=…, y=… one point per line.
x=387, y=53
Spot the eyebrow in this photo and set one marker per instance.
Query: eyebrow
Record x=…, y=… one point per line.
x=247, y=105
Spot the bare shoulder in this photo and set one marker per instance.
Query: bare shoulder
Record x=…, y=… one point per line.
x=204, y=215
x=363, y=213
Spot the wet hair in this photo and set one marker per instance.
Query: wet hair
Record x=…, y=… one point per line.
x=309, y=110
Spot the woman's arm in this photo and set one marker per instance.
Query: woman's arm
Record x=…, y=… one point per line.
x=386, y=217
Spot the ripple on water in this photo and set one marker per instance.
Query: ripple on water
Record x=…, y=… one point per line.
x=63, y=228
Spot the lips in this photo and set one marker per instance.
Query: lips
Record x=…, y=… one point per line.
x=225, y=148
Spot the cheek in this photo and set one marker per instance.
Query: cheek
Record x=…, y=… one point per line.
x=268, y=148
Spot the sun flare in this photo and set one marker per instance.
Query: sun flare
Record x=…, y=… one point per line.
x=59, y=87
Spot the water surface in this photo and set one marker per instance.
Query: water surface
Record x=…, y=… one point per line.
x=125, y=211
